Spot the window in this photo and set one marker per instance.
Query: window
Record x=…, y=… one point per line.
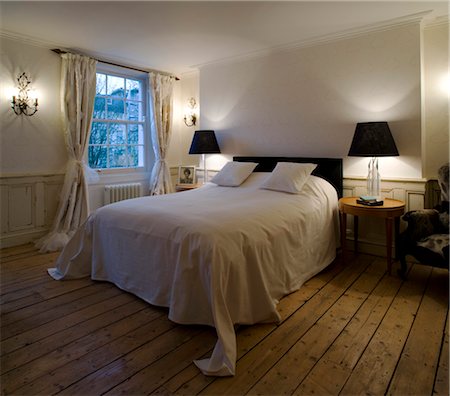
x=118, y=126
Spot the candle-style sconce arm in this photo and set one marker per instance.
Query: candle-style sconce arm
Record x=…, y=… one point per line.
x=23, y=102
x=190, y=117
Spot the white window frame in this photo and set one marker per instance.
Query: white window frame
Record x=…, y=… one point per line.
x=114, y=174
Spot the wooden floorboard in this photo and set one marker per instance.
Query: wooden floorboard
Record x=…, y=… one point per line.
x=16, y=252
x=352, y=329
x=427, y=329
x=441, y=383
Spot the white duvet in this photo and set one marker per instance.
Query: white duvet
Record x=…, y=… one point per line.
x=216, y=256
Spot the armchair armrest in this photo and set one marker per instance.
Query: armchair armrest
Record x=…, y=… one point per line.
x=421, y=223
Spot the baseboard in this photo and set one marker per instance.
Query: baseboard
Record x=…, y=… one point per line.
x=21, y=238
x=369, y=247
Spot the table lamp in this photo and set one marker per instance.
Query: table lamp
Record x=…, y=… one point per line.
x=373, y=139
x=204, y=142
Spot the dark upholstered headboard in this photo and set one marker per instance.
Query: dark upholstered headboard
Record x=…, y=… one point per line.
x=329, y=169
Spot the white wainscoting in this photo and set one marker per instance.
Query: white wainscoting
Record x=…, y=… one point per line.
x=28, y=207
x=29, y=203
x=372, y=236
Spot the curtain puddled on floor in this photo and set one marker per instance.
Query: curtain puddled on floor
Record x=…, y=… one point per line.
x=78, y=80
x=161, y=89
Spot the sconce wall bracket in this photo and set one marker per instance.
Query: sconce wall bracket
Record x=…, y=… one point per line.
x=190, y=119
x=23, y=103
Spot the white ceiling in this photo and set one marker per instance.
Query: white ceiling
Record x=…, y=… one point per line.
x=175, y=36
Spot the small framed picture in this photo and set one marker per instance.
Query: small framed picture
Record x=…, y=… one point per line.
x=186, y=175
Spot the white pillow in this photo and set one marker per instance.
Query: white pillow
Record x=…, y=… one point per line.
x=289, y=177
x=234, y=173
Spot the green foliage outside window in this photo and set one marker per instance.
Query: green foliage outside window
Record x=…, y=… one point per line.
x=117, y=133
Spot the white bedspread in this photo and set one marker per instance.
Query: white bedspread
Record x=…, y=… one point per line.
x=217, y=256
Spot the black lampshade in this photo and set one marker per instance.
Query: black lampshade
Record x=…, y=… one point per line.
x=204, y=142
x=373, y=139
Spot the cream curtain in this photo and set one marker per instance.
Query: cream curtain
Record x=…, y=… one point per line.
x=78, y=80
x=161, y=89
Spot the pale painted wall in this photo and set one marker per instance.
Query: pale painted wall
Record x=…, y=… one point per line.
x=306, y=101
x=35, y=145
x=185, y=88
x=308, y=108
x=436, y=82
x=31, y=145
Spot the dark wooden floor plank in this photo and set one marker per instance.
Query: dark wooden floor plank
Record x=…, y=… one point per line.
x=427, y=329
x=55, y=326
x=26, y=262
x=52, y=303
x=286, y=375
x=153, y=376
x=374, y=370
x=43, y=291
x=38, y=319
x=60, y=340
x=351, y=329
x=248, y=337
x=441, y=383
x=337, y=364
x=17, y=252
x=26, y=282
x=134, y=359
x=28, y=377
x=29, y=267
x=260, y=359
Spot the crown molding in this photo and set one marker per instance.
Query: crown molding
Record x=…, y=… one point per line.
x=126, y=63
x=438, y=21
x=29, y=40
x=390, y=24
x=190, y=74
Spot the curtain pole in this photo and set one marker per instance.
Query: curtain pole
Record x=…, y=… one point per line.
x=58, y=51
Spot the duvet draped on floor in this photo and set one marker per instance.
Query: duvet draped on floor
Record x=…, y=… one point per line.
x=216, y=256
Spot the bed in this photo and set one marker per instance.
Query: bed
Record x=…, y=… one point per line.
x=217, y=256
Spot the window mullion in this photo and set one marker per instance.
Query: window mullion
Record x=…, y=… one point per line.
x=122, y=96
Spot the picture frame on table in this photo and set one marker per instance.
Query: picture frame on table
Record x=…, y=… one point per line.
x=186, y=175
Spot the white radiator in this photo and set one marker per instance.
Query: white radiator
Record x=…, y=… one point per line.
x=119, y=192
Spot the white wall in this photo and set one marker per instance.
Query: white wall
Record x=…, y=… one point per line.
x=307, y=101
x=31, y=145
x=436, y=81
x=33, y=152
x=35, y=145
x=187, y=87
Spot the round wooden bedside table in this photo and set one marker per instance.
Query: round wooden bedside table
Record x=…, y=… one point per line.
x=391, y=210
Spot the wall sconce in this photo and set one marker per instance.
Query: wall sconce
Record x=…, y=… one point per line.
x=190, y=118
x=25, y=101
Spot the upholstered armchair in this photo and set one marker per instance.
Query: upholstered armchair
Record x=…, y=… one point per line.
x=427, y=236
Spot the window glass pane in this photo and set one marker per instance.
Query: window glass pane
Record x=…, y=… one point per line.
x=116, y=86
x=117, y=134
x=116, y=109
x=135, y=134
x=118, y=157
x=133, y=156
x=100, y=107
x=101, y=84
x=117, y=138
x=99, y=133
x=97, y=156
x=136, y=156
x=133, y=90
x=134, y=111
